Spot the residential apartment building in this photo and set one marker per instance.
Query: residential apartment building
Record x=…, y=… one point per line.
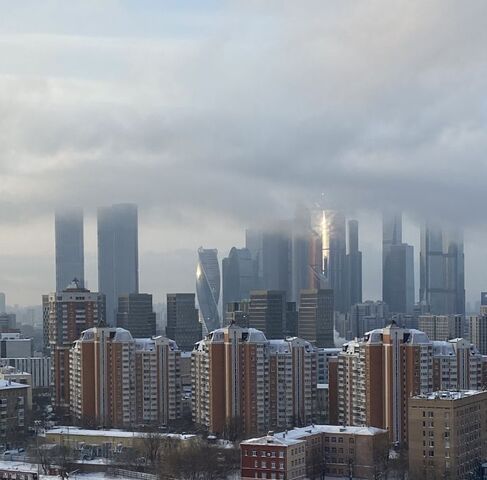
x=244, y=381
x=102, y=383
x=377, y=374
x=120, y=381
x=448, y=433
x=158, y=381
x=14, y=410
x=478, y=332
x=66, y=315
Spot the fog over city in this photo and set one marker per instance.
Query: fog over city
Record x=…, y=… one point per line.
x=217, y=117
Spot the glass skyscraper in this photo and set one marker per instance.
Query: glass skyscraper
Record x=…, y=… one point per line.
x=68, y=224
x=118, y=254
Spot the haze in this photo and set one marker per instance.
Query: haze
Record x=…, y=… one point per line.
x=214, y=116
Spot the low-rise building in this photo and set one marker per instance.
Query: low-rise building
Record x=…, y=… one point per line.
x=75, y=437
x=14, y=411
x=38, y=367
x=272, y=457
x=447, y=434
x=316, y=451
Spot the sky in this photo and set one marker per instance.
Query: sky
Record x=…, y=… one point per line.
x=216, y=116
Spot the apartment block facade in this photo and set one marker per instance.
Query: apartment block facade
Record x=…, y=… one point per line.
x=242, y=380
x=66, y=315
x=448, y=434
x=119, y=381
x=379, y=373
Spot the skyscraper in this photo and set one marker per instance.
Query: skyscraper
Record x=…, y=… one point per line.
x=442, y=278
x=135, y=314
x=69, y=247
x=397, y=266
x=2, y=302
x=183, y=325
x=276, y=261
x=267, y=312
x=315, y=317
x=237, y=276
x=354, y=266
x=208, y=287
x=335, y=251
x=118, y=254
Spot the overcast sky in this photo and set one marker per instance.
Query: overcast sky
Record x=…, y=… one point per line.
x=213, y=116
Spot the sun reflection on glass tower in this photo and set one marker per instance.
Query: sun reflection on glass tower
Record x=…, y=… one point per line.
x=208, y=287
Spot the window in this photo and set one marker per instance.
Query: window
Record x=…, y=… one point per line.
x=333, y=439
x=281, y=454
x=263, y=464
x=340, y=440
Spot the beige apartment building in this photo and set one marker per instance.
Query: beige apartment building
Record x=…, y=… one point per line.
x=447, y=434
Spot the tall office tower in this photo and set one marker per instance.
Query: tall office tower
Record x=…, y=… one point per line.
x=300, y=251
x=101, y=378
x=291, y=322
x=276, y=258
x=397, y=266
x=135, y=314
x=442, y=327
x=378, y=374
x=118, y=254
x=442, y=282
x=69, y=247
x=237, y=313
x=183, y=325
x=354, y=266
x=208, y=287
x=366, y=316
x=315, y=317
x=335, y=249
x=478, y=332
x=243, y=382
x=267, y=312
x=157, y=381
x=447, y=434
x=67, y=314
x=2, y=303
x=483, y=299
x=254, y=244
x=237, y=276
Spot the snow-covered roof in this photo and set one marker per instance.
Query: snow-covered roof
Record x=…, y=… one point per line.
x=112, y=432
x=6, y=384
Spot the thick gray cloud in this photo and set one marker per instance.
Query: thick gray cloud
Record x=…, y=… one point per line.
x=213, y=117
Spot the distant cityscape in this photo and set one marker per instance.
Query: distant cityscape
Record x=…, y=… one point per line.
x=275, y=350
